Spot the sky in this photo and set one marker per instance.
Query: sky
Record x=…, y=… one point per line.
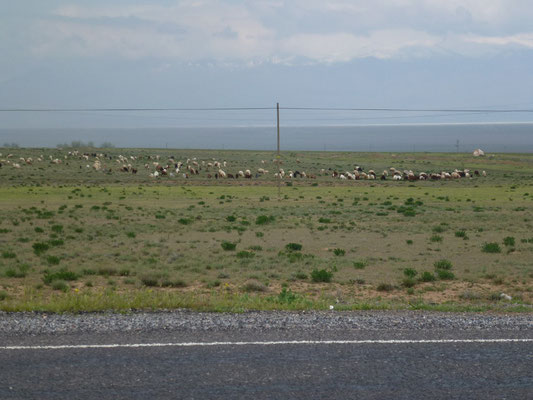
x=229, y=53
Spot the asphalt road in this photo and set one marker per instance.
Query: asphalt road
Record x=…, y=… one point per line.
x=378, y=363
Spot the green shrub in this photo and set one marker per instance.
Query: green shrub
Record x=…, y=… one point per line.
x=435, y=238
x=38, y=229
x=321, y=275
x=185, y=221
x=461, y=234
x=509, y=241
x=149, y=280
x=324, y=220
x=438, y=229
x=385, y=287
x=259, y=234
x=228, y=246
x=175, y=283
x=89, y=272
x=293, y=246
x=409, y=212
x=339, y=252
x=443, y=264
x=107, y=271
x=131, y=234
x=8, y=254
x=300, y=275
x=293, y=256
x=360, y=264
x=60, y=285
x=408, y=282
x=445, y=274
x=3, y=295
x=53, y=260
x=231, y=218
x=39, y=247
x=63, y=275
x=57, y=242
x=410, y=272
x=427, y=277
x=57, y=228
x=245, y=254
x=263, y=219
x=287, y=296
x=491, y=248
x=409, y=241
x=15, y=273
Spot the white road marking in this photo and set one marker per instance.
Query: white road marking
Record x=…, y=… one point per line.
x=271, y=343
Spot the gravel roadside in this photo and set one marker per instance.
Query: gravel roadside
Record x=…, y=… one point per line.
x=22, y=324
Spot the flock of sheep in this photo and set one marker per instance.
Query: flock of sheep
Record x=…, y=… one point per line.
x=213, y=169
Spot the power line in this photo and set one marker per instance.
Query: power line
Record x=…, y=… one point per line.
x=132, y=109
x=461, y=110
x=144, y=109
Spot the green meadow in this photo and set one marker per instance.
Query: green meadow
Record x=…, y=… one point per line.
x=74, y=238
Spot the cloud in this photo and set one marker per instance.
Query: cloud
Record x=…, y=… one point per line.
x=252, y=32
x=522, y=40
x=345, y=47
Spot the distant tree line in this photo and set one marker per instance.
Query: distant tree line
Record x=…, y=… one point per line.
x=79, y=143
x=11, y=145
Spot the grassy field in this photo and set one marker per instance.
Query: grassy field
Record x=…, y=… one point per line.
x=75, y=238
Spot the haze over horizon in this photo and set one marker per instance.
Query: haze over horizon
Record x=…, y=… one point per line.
x=226, y=53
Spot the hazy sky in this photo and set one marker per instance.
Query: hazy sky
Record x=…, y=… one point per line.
x=201, y=53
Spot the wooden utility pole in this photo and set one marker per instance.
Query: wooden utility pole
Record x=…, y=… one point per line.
x=278, y=157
